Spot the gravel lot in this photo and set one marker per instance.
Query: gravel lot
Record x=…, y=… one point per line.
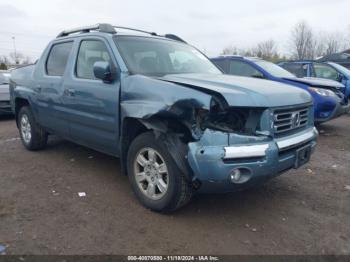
x=302, y=212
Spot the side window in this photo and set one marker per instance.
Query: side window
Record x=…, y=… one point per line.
x=222, y=64
x=58, y=57
x=243, y=69
x=90, y=52
x=299, y=70
x=325, y=71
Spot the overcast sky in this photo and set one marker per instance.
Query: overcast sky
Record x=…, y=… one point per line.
x=208, y=24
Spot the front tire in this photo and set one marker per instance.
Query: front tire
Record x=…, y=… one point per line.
x=154, y=176
x=32, y=135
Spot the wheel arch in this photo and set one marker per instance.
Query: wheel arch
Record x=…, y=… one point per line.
x=172, y=132
x=19, y=103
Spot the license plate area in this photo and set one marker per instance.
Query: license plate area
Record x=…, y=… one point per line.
x=302, y=156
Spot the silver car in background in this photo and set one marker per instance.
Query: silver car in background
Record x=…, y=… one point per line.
x=5, y=107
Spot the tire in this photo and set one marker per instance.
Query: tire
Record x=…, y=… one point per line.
x=32, y=135
x=178, y=190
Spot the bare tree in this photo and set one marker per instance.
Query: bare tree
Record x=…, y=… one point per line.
x=20, y=59
x=320, y=47
x=303, y=44
x=329, y=43
x=266, y=49
x=4, y=60
x=17, y=57
x=347, y=38
x=334, y=43
x=302, y=41
x=26, y=61
x=247, y=52
x=230, y=50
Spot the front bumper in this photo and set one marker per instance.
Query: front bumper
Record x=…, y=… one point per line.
x=214, y=157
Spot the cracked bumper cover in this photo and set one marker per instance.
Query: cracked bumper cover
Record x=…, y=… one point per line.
x=213, y=158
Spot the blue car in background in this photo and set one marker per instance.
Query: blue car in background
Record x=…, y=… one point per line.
x=328, y=95
x=327, y=70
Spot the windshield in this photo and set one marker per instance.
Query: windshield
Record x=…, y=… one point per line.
x=158, y=57
x=273, y=69
x=341, y=68
x=4, y=78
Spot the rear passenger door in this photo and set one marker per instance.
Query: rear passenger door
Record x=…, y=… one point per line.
x=49, y=91
x=94, y=117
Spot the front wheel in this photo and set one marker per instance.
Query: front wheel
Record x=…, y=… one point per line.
x=32, y=135
x=154, y=176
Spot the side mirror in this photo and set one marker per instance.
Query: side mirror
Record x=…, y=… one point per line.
x=103, y=71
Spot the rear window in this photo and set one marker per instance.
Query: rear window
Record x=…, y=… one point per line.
x=58, y=57
x=300, y=70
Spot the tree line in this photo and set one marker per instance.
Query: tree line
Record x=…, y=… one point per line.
x=14, y=59
x=303, y=43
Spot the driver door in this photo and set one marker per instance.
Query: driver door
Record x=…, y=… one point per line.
x=94, y=104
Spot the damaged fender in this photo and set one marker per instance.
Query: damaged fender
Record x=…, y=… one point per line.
x=166, y=108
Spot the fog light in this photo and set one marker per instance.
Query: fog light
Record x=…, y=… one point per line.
x=235, y=175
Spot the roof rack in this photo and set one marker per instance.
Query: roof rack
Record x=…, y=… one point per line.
x=175, y=37
x=107, y=28
x=169, y=36
x=136, y=30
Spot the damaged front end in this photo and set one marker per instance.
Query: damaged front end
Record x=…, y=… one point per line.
x=218, y=147
x=229, y=144
x=230, y=156
x=239, y=120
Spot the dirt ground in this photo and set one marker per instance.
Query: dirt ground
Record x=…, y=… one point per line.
x=305, y=211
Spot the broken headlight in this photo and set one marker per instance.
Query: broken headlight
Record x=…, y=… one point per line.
x=231, y=119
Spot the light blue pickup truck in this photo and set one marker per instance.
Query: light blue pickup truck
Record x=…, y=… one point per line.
x=178, y=125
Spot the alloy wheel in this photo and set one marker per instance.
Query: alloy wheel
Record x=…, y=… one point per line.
x=151, y=173
x=26, y=129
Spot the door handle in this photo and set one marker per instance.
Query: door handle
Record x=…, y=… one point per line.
x=37, y=89
x=69, y=92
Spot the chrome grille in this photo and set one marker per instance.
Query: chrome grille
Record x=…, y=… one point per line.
x=287, y=120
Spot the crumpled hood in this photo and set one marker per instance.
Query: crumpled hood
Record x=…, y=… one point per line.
x=243, y=91
x=4, y=92
x=318, y=82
